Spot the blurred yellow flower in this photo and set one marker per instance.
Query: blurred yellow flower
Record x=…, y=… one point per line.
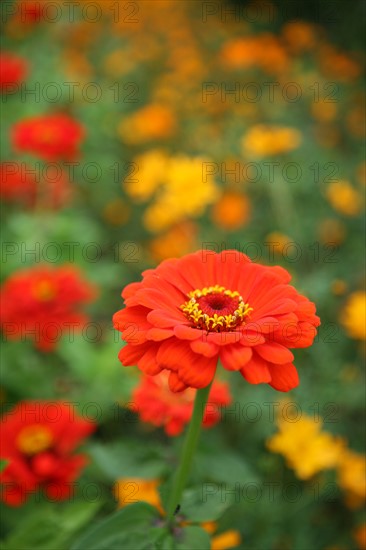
x=306, y=448
x=149, y=171
x=353, y=315
x=231, y=211
x=134, y=489
x=185, y=194
x=352, y=477
x=148, y=123
x=344, y=198
x=262, y=141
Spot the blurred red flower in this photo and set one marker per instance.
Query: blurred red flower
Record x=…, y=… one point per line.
x=50, y=137
x=20, y=184
x=157, y=405
x=43, y=303
x=13, y=70
x=30, y=11
x=189, y=312
x=37, y=440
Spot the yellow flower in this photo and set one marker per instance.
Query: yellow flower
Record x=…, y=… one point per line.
x=354, y=314
x=352, y=477
x=225, y=540
x=185, y=193
x=134, y=489
x=232, y=211
x=147, y=174
x=306, y=448
x=344, y=198
x=262, y=141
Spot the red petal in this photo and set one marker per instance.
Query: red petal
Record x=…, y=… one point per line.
x=204, y=348
x=175, y=383
x=274, y=353
x=187, y=333
x=234, y=357
x=284, y=377
x=256, y=371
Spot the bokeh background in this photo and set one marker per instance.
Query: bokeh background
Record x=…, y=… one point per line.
x=138, y=131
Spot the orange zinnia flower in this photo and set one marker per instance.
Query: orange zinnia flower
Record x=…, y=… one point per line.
x=51, y=137
x=157, y=405
x=189, y=312
x=38, y=439
x=44, y=303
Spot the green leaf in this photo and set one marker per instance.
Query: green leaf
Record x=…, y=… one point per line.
x=3, y=464
x=51, y=526
x=193, y=537
x=206, y=502
x=135, y=527
x=226, y=467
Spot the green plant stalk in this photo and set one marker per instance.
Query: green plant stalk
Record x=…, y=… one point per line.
x=189, y=447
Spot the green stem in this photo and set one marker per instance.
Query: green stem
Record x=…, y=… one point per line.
x=189, y=447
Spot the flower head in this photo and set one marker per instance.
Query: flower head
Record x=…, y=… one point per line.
x=13, y=70
x=38, y=439
x=353, y=315
x=44, y=303
x=189, y=312
x=51, y=137
x=307, y=449
x=135, y=489
x=157, y=405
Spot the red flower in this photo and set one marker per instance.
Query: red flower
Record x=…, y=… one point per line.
x=189, y=312
x=51, y=137
x=43, y=303
x=30, y=11
x=37, y=439
x=157, y=405
x=19, y=184
x=13, y=70
x=16, y=186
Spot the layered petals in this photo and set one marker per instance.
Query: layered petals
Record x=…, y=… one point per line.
x=205, y=307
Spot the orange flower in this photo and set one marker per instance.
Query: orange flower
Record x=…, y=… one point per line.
x=38, y=439
x=13, y=70
x=157, y=405
x=189, y=312
x=177, y=241
x=135, y=489
x=44, y=303
x=149, y=123
x=51, y=137
x=232, y=211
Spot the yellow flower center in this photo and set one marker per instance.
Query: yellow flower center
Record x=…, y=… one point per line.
x=216, y=309
x=44, y=290
x=34, y=439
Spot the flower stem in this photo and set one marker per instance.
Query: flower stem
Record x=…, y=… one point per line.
x=189, y=447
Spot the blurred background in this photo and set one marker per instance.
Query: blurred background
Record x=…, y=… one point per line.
x=135, y=131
